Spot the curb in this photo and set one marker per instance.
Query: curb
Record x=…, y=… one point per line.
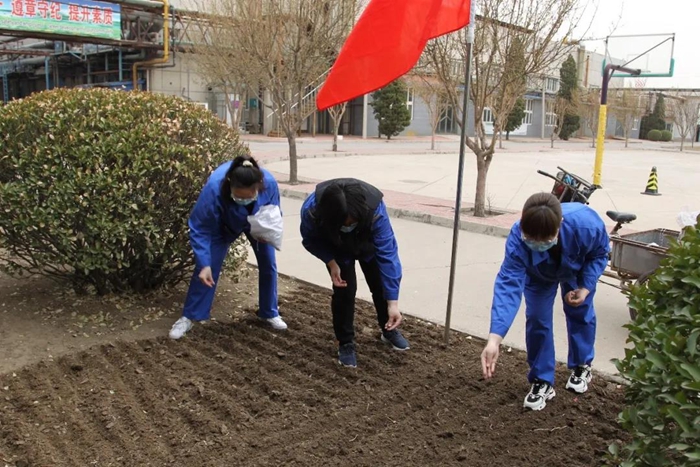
x=422, y=217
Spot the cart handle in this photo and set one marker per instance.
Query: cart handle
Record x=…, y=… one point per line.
x=542, y=172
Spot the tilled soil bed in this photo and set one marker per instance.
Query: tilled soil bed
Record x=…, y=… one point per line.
x=237, y=393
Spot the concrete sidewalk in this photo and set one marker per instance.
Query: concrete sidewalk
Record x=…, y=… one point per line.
x=425, y=254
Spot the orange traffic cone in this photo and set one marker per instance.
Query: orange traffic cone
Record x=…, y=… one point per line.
x=653, y=184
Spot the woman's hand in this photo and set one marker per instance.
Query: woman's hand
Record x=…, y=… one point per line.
x=206, y=277
x=577, y=297
x=489, y=356
x=335, y=274
x=395, y=317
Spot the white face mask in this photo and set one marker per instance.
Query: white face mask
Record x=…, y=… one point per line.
x=243, y=201
x=348, y=228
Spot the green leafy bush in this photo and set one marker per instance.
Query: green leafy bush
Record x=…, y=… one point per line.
x=666, y=136
x=96, y=186
x=663, y=365
x=654, y=135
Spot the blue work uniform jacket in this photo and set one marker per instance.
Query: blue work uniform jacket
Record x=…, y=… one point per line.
x=585, y=246
x=217, y=218
x=386, y=249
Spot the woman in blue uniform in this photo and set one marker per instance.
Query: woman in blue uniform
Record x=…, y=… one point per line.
x=234, y=191
x=345, y=220
x=553, y=245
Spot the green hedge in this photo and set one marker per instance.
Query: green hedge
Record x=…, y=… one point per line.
x=96, y=185
x=663, y=364
x=654, y=135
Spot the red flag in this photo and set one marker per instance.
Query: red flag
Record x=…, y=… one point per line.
x=386, y=43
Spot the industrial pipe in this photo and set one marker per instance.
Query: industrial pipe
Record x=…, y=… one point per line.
x=166, y=46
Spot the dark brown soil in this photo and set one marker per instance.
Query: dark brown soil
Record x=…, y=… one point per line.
x=236, y=393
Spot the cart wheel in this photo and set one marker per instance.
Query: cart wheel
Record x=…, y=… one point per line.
x=640, y=282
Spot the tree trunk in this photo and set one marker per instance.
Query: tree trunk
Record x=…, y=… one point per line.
x=293, y=171
x=313, y=124
x=682, y=143
x=551, y=139
x=500, y=140
x=432, y=141
x=627, y=140
x=482, y=170
x=507, y=135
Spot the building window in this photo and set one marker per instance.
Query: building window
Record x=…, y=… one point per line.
x=550, y=118
x=552, y=85
x=487, y=116
x=669, y=127
x=635, y=123
x=527, y=120
x=409, y=101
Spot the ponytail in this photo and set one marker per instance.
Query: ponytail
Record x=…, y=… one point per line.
x=244, y=172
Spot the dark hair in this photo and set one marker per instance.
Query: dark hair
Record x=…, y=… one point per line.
x=541, y=216
x=338, y=202
x=242, y=175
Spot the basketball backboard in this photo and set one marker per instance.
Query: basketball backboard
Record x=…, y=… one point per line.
x=650, y=53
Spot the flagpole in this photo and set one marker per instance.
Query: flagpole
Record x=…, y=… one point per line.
x=460, y=172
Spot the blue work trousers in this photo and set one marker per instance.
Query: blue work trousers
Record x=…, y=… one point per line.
x=539, y=337
x=200, y=297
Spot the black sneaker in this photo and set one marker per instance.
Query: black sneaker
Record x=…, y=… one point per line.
x=397, y=341
x=347, y=356
x=540, y=393
x=579, y=379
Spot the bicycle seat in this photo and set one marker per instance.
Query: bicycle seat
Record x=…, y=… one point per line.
x=621, y=217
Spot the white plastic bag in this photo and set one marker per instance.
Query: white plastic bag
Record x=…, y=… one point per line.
x=267, y=225
x=688, y=218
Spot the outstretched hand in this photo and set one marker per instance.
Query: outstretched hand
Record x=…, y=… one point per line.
x=335, y=274
x=206, y=277
x=489, y=356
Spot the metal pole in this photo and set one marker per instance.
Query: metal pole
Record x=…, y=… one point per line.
x=603, y=118
x=121, y=71
x=544, y=105
x=5, y=85
x=460, y=172
x=365, y=100
x=47, y=67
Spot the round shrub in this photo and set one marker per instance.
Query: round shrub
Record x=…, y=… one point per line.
x=663, y=366
x=654, y=135
x=96, y=186
x=666, y=136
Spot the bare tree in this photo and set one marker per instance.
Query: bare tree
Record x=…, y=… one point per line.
x=283, y=48
x=336, y=112
x=685, y=111
x=536, y=26
x=590, y=111
x=627, y=106
x=431, y=91
x=561, y=107
x=217, y=61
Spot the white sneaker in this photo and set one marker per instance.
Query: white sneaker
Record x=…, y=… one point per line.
x=580, y=378
x=180, y=328
x=539, y=394
x=277, y=323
